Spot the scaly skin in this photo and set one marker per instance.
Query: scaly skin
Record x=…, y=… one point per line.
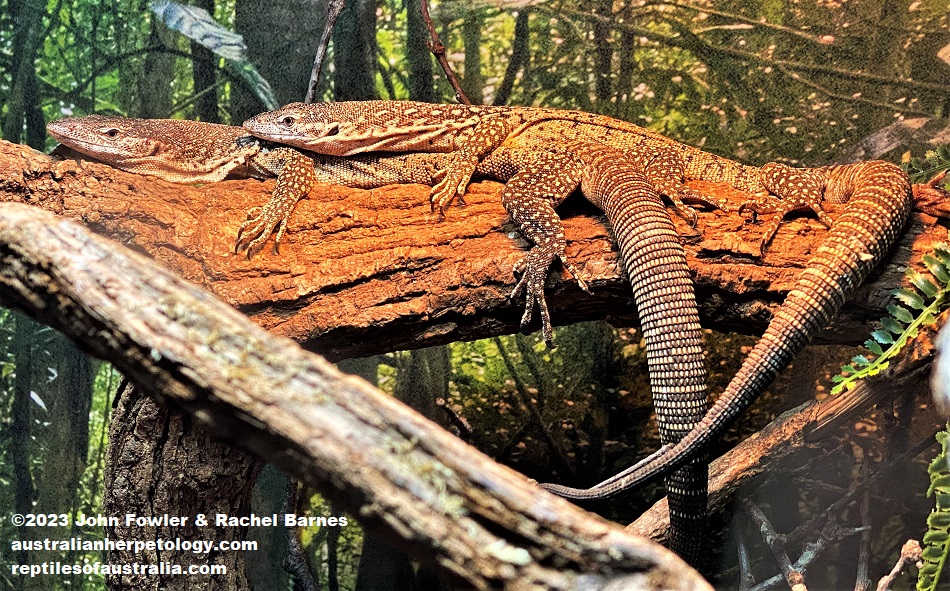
x=626, y=189
x=879, y=203
x=182, y=151
x=878, y=208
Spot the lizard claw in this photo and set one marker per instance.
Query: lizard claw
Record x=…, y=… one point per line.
x=453, y=184
x=535, y=267
x=262, y=222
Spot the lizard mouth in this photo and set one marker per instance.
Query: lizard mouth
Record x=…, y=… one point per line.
x=71, y=142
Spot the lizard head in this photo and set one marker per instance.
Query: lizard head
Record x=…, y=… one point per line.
x=99, y=136
x=347, y=128
x=309, y=126
x=174, y=149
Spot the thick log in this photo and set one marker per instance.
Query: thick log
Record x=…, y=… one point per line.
x=484, y=525
x=363, y=272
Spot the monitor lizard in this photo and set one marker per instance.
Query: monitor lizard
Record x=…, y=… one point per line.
x=652, y=255
x=877, y=194
x=187, y=151
x=182, y=151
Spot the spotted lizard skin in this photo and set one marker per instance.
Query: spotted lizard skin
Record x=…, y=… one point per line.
x=537, y=180
x=183, y=151
x=878, y=196
x=879, y=201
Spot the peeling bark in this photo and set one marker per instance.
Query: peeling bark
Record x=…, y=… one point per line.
x=363, y=272
x=482, y=524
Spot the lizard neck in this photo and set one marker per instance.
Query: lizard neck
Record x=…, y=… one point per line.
x=347, y=128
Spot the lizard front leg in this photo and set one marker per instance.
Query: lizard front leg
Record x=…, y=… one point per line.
x=295, y=178
x=530, y=196
x=297, y=173
x=484, y=138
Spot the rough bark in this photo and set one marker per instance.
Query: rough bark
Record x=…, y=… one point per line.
x=364, y=272
x=161, y=462
x=482, y=524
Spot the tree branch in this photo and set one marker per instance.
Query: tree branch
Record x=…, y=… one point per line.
x=365, y=272
x=482, y=524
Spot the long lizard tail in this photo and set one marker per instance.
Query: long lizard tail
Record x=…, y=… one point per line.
x=879, y=206
x=663, y=290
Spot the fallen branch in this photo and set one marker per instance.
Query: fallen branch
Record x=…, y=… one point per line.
x=483, y=525
x=365, y=272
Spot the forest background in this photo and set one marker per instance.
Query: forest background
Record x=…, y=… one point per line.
x=800, y=81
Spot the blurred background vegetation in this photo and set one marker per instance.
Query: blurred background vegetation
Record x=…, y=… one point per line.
x=802, y=81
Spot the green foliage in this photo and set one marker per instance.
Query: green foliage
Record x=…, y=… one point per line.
x=937, y=539
x=921, y=305
x=200, y=27
x=920, y=171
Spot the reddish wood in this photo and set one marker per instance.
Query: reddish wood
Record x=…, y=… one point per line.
x=364, y=272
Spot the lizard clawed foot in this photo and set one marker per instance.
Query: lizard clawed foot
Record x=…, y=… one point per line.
x=763, y=204
x=781, y=208
x=534, y=295
x=453, y=184
x=680, y=195
x=535, y=272
x=261, y=223
x=533, y=269
x=795, y=188
x=693, y=196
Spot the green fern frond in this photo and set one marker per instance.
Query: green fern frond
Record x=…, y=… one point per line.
x=929, y=295
x=920, y=171
x=936, y=546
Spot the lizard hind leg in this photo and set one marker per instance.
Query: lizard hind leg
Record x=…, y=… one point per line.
x=529, y=197
x=793, y=189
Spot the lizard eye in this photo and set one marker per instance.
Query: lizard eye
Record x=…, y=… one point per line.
x=110, y=132
x=287, y=121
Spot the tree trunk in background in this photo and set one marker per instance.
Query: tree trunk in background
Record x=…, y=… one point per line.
x=204, y=64
x=21, y=432
x=418, y=57
x=423, y=377
x=473, y=82
x=626, y=67
x=68, y=398
x=603, y=51
x=282, y=51
x=354, y=52
x=23, y=103
x=161, y=462
x=519, y=58
x=381, y=567
x=265, y=568
x=49, y=433
x=158, y=70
